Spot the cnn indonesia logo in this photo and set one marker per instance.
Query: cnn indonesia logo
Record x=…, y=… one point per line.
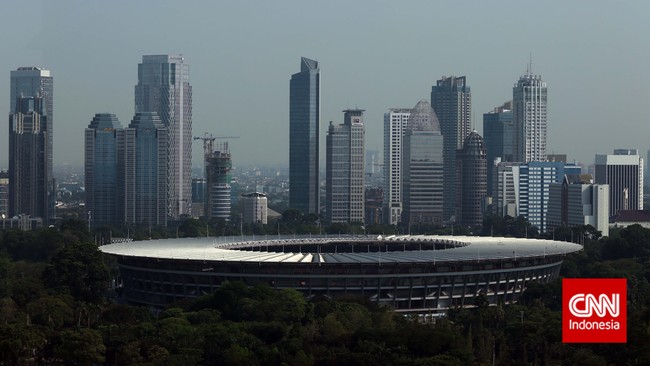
x=594, y=310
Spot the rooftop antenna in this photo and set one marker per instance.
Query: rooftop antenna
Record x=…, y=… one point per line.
x=529, y=68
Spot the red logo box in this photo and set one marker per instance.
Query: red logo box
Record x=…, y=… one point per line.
x=594, y=310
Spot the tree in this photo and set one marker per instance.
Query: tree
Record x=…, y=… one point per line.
x=80, y=347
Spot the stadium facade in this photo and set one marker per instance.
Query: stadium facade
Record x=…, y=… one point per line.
x=412, y=274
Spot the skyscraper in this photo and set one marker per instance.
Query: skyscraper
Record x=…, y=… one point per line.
x=218, y=192
x=145, y=158
x=31, y=190
x=395, y=123
x=472, y=163
x=104, y=170
x=164, y=87
x=623, y=172
x=304, y=137
x=499, y=137
x=451, y=99
x=529, y=99
x=345, y=176
x=254, y=208
x=37, y=82
x=423, y=167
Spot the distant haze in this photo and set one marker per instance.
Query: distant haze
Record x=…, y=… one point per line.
x=373, y=55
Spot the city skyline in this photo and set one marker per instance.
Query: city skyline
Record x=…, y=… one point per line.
x=226, y=76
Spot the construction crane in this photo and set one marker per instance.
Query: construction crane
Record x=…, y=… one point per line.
x=208, y=142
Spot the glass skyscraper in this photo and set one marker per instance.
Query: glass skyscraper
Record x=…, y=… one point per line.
x=451, y=99
x=472, y=163
x=145, y=158
x=164, y=87
x=304, y=137
x=499, y=136
x=34, y=82
x=104, y=171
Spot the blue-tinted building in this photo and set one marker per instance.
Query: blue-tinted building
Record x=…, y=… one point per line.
x=145, y=152
x=304, y=137
x=104, y=171
x=499, y=137
x=472, y=169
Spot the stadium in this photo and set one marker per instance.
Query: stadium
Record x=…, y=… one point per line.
x=412, y=274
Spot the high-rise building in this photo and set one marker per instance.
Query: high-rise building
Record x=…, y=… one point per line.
x=304, y=138
x=577, y=201
x=145, y=144
x=345, y=173
x=4, y=193
x=451, y=99
x=499, y=137
x=623, y=172
x=523, y=189
x=423, y=164
x=37, y=82
x=529, y=99
x=32, y=82
x=395, y=123
x=104, y=170
x=218, y=190
x=254, y=208
x=472, y=163
x=31, y=190
x=164, y=87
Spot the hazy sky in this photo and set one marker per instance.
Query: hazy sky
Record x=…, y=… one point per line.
x=374, y=55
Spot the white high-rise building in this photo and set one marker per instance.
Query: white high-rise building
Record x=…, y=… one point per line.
x=529, y=99
x=254, y=208
x=623, y=171
x=395, y=123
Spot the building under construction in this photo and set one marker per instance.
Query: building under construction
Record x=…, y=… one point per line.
x=218, y=164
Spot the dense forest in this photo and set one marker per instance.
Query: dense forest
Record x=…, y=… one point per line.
x=56, y=310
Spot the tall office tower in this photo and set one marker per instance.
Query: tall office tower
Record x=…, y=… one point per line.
x=104, y=171
x=499, y=137
x=506, y=189
x=164, y=87
x=577, y=201
x=145, y=144
x=451, y=99
x=472, y=162
x=345, y=169
x=623, y=171
x=529, y=100
x=32, y=82
x=395, y=122
x=218, y=191
x=526, y=189
x=304, y=137
x=30, y=178
x=254, y=208
x=423, y=167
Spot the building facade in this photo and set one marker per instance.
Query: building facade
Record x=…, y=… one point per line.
x=218, y=178
x=345, y=170
x=523, y=189
x=395, y=123
x=164, y=87
x=254, y=208
x=577, y=201
x=4, y=193
x=423, y=168
x=451, y=99
x=31, y=186
x=623, y=172
x=529, y=104
x=499, y=137
x=304, y=137
x=145, y=168
x=104, y=170
x=472, y=165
